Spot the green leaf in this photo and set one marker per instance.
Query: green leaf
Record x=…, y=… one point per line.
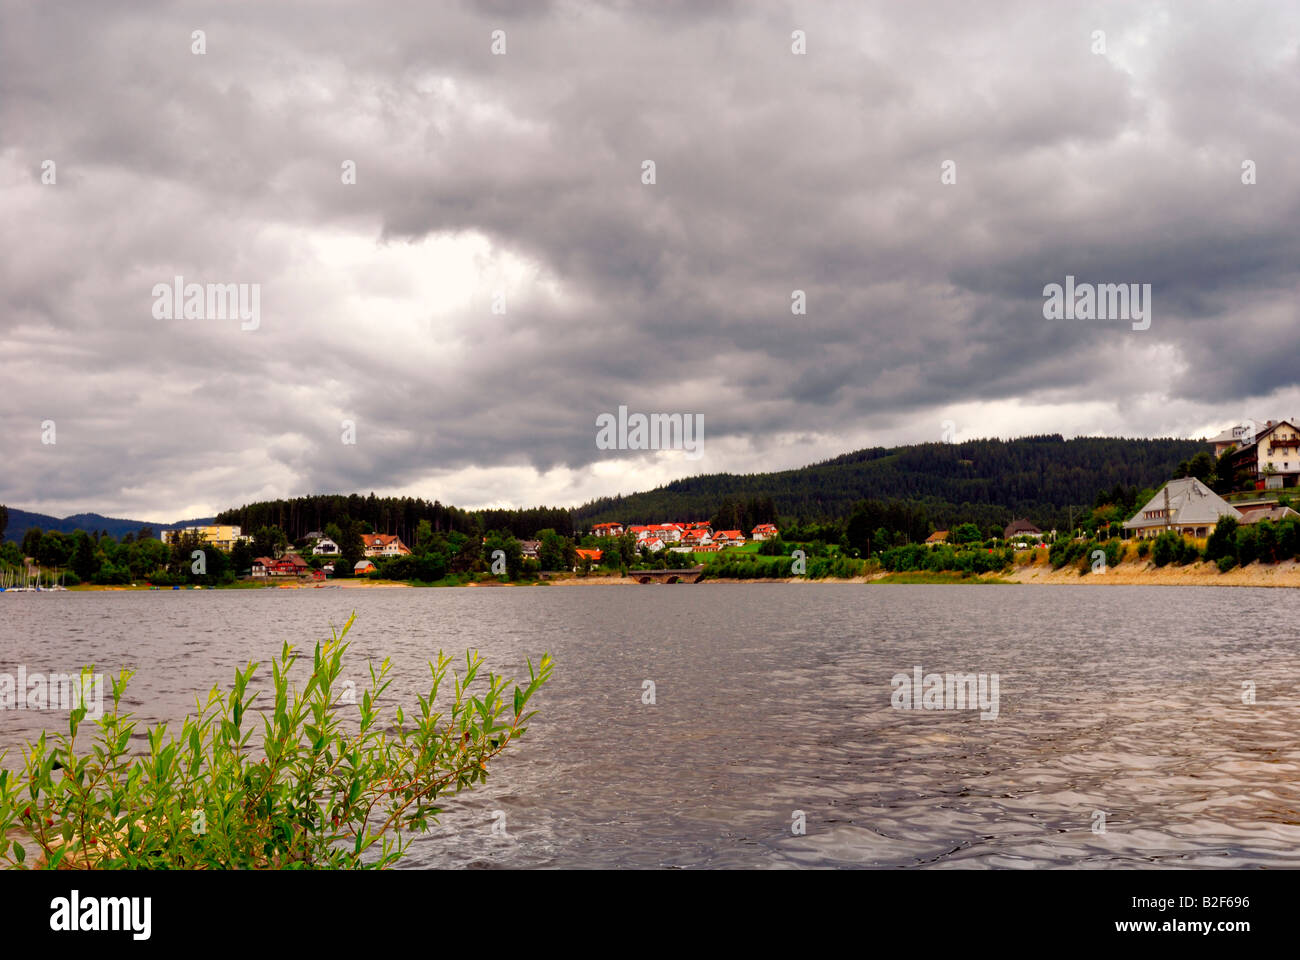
x=519, y=700
x=19, y=853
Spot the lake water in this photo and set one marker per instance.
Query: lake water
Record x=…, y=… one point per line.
x=776, y=698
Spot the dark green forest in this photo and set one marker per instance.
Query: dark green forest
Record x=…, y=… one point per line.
x=1047, y=479
x=391, y=515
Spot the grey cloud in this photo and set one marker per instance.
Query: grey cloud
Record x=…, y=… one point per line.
x=775, y=172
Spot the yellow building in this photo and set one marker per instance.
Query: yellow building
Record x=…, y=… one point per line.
x=221, y=536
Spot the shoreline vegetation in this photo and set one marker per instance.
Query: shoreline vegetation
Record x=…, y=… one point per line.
x=336, y=783
x=1200, y=574
x=879, y=542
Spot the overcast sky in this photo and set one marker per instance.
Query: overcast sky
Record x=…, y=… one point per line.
x=521, y=174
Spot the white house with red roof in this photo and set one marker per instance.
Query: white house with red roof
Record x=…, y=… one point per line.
x=652, y=544
x=729, y=538
x=607, y=530
x=764, y=531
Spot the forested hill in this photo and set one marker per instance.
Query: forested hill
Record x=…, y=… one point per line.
x=983, y=481
x=20, y=521
x=396, y=515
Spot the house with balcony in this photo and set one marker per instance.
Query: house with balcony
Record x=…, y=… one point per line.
x=607, y=530
x=764, y=531
x=384, y=545
x=1186, y=507
x=290, y=565
x=696, y=538
x=1272, y=460
x=325, y=547
x=667, y=532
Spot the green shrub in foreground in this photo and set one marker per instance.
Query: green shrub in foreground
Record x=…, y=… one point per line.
x=332, y=781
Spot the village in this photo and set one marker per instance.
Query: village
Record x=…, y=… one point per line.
x=1258, y=457
x=1247, y=475
x=684, y=538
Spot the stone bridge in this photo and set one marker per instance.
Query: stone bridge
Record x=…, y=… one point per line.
x=691, y=575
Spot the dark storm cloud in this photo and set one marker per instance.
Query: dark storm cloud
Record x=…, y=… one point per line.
x=476, y=172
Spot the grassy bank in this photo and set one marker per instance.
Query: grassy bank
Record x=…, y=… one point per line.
x=938, y=576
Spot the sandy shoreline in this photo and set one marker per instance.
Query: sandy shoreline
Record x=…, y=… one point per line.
x=1145, y=573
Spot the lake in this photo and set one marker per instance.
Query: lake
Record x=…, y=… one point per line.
x=1122, y=702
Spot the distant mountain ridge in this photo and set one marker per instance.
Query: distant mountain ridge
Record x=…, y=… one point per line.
x=20, y=521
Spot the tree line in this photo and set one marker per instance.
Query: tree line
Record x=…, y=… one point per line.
x=1046, y=479
x=400, y=516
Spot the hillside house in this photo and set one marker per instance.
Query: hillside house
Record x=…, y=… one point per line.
x=696, y=538
x=667, y=532
x=1241, y=435
x=1272, y=460
x=1022, y=530
x=290, y=565
x=1184, y=506
x=384, y=545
